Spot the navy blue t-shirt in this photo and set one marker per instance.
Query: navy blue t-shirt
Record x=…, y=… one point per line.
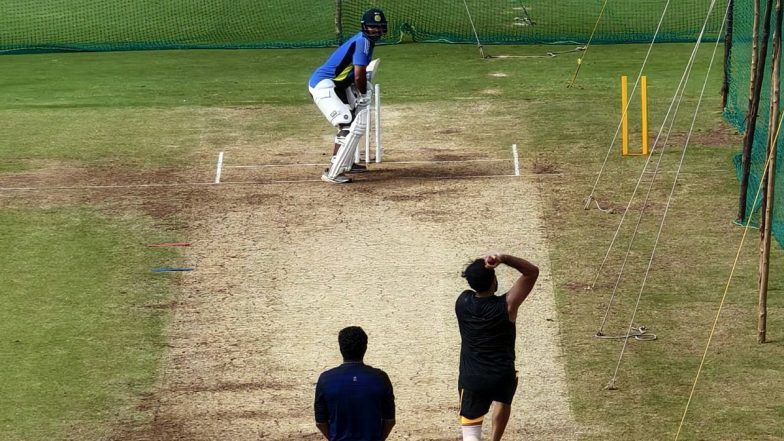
x=354, y=398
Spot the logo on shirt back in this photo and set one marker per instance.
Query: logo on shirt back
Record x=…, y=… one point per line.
x=355, y=379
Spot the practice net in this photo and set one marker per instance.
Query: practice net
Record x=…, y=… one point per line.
x=739, y=73
x=106, y=25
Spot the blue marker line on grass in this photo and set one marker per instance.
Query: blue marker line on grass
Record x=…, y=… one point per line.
x=166, y=270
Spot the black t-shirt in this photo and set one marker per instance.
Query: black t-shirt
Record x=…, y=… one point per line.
x=487, y=351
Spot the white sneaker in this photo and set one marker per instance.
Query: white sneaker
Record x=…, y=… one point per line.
x=339, y=179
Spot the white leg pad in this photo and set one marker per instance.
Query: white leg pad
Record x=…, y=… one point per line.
x=342, y=161
x=336, y=111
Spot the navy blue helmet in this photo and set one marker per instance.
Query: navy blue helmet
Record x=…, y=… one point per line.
x=374, y=24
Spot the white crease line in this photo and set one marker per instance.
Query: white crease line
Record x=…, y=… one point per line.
x=106, y=187
x=219, y=168
x=516, y=160
x=276, y=165
x=384, y=162
x=370, y=181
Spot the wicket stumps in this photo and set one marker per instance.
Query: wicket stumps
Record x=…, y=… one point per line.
x=374, y=121
x=373, y=115
x=625, y=116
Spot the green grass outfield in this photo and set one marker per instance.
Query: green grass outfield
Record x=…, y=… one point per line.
x=80, y=324
x=81, y=336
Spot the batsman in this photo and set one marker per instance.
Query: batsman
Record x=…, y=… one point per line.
x=339, y=88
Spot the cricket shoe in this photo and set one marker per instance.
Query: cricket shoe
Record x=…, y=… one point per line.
x=339, y=179
x=357, y=168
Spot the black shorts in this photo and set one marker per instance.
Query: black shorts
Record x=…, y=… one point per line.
x=476, y=403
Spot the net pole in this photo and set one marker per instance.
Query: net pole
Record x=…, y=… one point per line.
x=769, y=195
x=725, y=85
x=758, y=61
x=339, y=21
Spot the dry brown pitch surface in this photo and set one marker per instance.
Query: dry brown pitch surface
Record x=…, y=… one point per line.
x=282, y=266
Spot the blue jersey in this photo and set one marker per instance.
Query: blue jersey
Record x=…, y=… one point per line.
x=353, y=399
x=339, y=67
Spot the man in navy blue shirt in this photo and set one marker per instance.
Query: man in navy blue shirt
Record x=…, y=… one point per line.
x=354, y=401
x=339, y=89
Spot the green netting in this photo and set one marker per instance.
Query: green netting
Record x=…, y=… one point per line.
x=739, y=73
x=95, y=25
x=98, y=25
x=542, y=21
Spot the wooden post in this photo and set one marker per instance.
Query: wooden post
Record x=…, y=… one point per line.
x=770, y=196
x=339, y=21
x=725, y=87
x=758, y=61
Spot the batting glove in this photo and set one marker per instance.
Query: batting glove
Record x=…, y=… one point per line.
x=364, y=100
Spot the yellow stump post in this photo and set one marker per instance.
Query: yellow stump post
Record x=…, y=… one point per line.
x=625, y=116
x=624, y=119
x=644, y=112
